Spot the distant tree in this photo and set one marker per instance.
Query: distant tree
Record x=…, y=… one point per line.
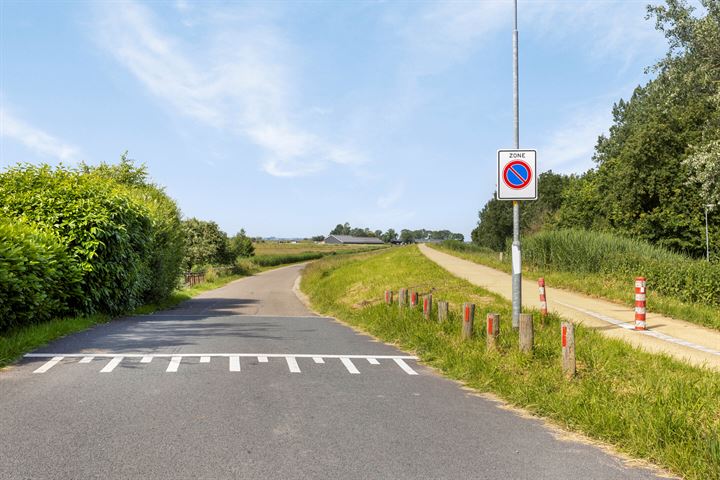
x=318, y=238
x=341, y=229
x=206, y=244
x=389, y=236
x=495, y=225
x=241, y=245
x=406, y=236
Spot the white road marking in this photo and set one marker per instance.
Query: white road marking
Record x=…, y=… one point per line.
x=373, y=361
x=174, y=364
x=292, y=364
x=318, y=360
x=205, y=359
x=650, y=333
x=111, y=365
x=225, y=355
x=48, y=365
x=349, y=365
x=86, y=360
x=235, y=363
x=401, y=363
x=146, y=359
x=262, y=359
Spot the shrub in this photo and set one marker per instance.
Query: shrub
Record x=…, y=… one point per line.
x=36, y=275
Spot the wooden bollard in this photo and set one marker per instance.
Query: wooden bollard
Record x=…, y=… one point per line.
x=443, y=311
x=427, y=306
x=414, y=298
x=493, y=330
x=388, y=297
x=526, y=332
x=468, y=319
x=567, y=340
x=402, y=297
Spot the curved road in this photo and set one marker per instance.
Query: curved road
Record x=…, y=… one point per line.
x=244, y=382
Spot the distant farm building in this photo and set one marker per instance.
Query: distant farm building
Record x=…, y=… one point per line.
x=350, y=240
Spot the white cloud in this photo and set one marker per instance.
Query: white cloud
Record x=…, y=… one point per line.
x=35, y=139
x=237, y=79
x=570, y=146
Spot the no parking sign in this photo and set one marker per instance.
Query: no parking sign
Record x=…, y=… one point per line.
x=517, y=175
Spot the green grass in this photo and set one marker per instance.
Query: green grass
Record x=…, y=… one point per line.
x=617, y=287
x=649, y=406
x=278, y=248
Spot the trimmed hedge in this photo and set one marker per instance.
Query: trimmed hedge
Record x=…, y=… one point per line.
x=668, y=273
x=121, y=235
x=37, y=276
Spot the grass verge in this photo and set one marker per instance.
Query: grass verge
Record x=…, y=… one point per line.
x=599, y=285
x=649, y=406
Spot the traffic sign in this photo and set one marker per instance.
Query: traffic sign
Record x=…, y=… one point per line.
x=517, y=175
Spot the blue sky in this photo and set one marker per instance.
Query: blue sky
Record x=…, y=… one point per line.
x=286, y=118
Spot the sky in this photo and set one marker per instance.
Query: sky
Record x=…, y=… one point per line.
x=287, y=118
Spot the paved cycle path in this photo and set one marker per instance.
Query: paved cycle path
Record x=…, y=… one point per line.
x=245, y=382
x=683, y=340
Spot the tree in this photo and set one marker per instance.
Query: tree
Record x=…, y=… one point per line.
x=389, y=236
x=318, y=238
x=206, y=244
x=241, y=246
x=341, y=229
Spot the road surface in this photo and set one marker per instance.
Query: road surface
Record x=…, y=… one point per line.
x=245, y=382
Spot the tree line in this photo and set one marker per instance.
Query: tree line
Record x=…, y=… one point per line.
x=659, y=166
x=390, y=235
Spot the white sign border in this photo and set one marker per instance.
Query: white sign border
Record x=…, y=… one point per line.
x=499, y=175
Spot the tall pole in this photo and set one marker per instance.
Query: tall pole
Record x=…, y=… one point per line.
x=707, y=236
x=516, y=259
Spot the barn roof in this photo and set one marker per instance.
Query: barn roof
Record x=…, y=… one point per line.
x=351, y=239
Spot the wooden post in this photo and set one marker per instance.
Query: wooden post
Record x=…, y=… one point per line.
x=468, y=320
x=414, y=298
x=388, y=297
x=567, y=339
x=443, y=311
x=526, y=332
x=427, y=306
x=493, y=330
x=402, y=297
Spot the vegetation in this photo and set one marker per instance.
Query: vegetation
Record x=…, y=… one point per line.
x=605, y=265
x=649, y=406
x=659, y=165
x=405, y=236
x=116, y=234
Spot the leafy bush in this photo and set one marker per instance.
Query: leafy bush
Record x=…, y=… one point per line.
x=36, y=275
x=668, y=273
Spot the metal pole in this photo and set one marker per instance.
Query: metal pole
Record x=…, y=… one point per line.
x=516, y=258
x=707, y=235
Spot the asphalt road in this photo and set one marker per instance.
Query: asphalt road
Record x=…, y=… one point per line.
x=244, y=382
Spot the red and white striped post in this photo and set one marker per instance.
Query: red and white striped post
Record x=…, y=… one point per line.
x=640, y=302
x=543, y=300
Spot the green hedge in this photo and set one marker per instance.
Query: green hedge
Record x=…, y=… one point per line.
x=121, y=233
x=668, y=273
x=37, y=276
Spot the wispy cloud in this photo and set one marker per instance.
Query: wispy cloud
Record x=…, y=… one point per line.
x=236, y=79
x=35, y=139
x=391, y=197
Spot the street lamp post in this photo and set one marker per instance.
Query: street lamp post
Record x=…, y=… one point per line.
x=707, y=233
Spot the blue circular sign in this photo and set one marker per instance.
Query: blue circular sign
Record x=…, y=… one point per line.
x=517, y=174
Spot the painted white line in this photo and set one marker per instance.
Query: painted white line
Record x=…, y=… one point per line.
x=205, y=359
x=262, y=359
x=48, y=365
x=235, y=363
x=292, y=364
x=401, y=363
x=221, y=355
x=649, y=333
x=373, y=361
x=174, y=364
x=111, y=365
x=86, y=360
x=146, y=359
x=318, y=360
x=349, y=365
